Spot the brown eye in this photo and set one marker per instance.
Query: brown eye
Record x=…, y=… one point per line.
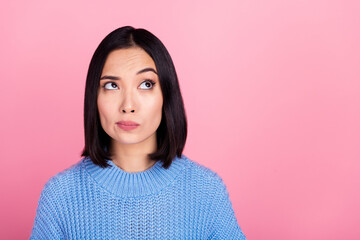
x=110, y=85
x=147, y=84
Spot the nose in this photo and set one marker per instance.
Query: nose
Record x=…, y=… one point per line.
x=131, y=110
x=128, y=103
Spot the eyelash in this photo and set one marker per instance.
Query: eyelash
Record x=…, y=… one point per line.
x=148, y=80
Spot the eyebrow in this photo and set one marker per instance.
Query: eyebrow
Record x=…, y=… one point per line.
x=139, y=72
x=147, y=70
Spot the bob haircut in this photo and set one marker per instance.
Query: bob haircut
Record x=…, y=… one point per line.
x=172, y=131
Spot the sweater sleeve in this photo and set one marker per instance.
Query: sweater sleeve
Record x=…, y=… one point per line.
x=47, y=222
x=225, y=225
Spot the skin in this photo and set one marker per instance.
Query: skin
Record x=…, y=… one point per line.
x=126, y=94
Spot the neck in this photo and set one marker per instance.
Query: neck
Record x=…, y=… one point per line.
x=133, y=157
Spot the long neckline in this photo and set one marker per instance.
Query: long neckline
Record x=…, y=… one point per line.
x=126, y=184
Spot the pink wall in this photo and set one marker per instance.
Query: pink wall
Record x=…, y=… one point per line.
x=271, y=90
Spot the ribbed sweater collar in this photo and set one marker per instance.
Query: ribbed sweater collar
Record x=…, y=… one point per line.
x=125, y=184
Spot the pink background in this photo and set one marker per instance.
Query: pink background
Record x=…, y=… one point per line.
x=271, y=90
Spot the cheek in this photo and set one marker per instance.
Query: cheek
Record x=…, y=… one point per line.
x=104, y=109
x=158, y=105
x=154, y=110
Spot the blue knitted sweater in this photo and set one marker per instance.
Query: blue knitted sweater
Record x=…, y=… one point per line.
x=85, y=201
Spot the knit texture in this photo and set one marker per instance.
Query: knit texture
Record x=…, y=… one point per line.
x=186, y=201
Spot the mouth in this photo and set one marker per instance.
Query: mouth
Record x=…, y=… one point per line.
x=127, y=125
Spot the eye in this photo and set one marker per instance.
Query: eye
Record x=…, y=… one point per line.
x=147, y=84
x=110, y=85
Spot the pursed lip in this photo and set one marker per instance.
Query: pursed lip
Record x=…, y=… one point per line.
x=127, y=123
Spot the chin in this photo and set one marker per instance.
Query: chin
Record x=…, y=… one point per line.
x=127, y=141
x=130, y=140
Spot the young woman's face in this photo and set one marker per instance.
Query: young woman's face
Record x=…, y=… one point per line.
x=129, y=96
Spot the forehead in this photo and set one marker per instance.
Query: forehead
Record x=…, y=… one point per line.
x=129, y=59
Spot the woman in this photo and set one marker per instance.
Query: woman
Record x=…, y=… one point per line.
x=134, y=182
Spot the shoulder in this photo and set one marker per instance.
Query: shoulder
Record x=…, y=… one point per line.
x=201, y=170
x=63, y=179
x=201, y=175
